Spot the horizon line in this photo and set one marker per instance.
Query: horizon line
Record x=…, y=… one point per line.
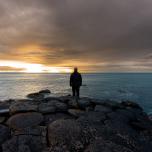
x=1, y=72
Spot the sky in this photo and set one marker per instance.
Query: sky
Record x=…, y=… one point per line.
x=94, y=35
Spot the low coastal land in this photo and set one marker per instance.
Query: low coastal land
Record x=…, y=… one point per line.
x=63, y=124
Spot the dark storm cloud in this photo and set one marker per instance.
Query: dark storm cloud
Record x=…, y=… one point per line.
x=107, y=35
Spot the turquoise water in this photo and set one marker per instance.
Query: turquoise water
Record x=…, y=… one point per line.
x=116, y=86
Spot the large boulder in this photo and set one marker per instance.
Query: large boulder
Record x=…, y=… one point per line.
x=52, y=106
x=66, y=135
x=61, y=107
x=46, y=108
x=24, y=120
x=23, y=106
x=70, y=101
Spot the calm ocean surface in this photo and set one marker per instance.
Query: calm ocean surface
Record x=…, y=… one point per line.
x=118, y=86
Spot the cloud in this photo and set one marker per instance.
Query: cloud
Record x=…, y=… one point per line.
x=10, y=69
x=96, y=35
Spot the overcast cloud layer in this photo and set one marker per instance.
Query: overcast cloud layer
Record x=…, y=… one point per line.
x=96, y=35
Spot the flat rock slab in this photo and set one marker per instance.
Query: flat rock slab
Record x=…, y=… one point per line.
x=49, y=118
x=46, y=108
x=76, y=112
x=52, y=106
x=24, y=120
x=23, y=107
x=104, y=109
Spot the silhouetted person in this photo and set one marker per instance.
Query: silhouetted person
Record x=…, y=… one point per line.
x=75, y=82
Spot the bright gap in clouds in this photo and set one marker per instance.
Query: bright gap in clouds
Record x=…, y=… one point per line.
x=33, y=68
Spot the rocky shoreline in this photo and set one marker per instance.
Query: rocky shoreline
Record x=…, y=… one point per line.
x=63, y=124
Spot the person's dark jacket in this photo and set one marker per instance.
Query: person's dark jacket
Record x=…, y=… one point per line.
x=75, y=79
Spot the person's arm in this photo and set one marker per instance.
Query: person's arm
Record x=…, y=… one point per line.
x=71, y=80
x=80, y=80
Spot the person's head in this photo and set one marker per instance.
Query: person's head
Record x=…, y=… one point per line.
x=75, y=69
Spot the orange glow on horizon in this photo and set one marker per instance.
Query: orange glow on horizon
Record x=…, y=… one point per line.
x=33, y=68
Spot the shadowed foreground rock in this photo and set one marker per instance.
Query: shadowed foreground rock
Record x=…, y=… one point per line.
x=62, y=124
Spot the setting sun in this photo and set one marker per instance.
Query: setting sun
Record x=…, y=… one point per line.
x=33, y=68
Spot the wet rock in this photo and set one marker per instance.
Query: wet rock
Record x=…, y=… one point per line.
x=101, y=108
x=95, y=121
x=24, y=120
x=49, y=99
x=10, y=145
x=122, y=132
x=113, y=104
x=70, y=101
x=150, y=117
x=142, y=125
x=76, y=112
x=4, y=133
x=101, y=145
x=4, y=111
x=2, y=119
x=69, y=125
x=36, y=96
x=119, y=122
x=23, y=143
x=33, y=131
x=92, y=118
x=52, y=106
x=90, y=108
x=84, y=102
x=46, y=91
x=49, y=118
x=5, y=104
x=24, y=106
x=73, y=103
x=66, y=135
x=131, y=104
x=61, y=107
x=46, y=108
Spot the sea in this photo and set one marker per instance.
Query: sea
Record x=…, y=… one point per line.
x=119, y=87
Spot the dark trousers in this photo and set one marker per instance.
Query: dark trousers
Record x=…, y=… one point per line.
x=75, y=90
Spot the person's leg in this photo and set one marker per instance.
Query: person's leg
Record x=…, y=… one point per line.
x=73, y=90
x=78, y=90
